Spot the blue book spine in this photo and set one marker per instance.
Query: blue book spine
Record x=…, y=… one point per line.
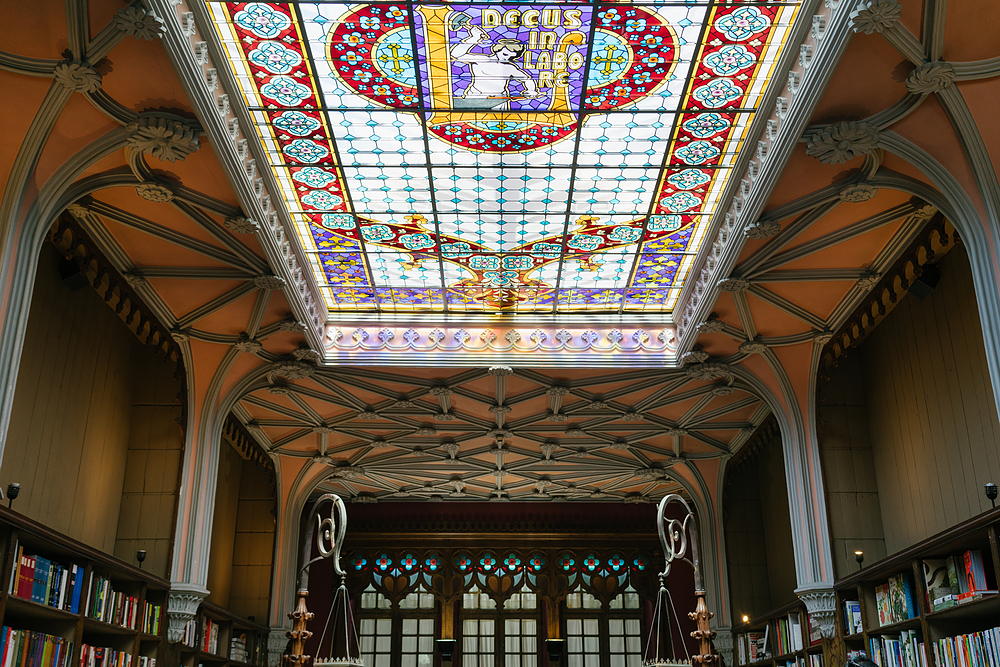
x=40, y=577
x=77, y=587
x=911, y=600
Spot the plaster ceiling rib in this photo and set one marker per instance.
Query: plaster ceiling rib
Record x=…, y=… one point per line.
x=977, y=69
x=809, y=275
x=834, y=238
x=787, y=234
x=333, y=387
x=77, y=28
x=529, y=395
x=164, y=234
x=291, y=437
x=317, y=418
x=210, y=337
x=274, y=407
x=887, y=256
x=217, y=304
x=745, y=315
x=221, y=235
x=108, y=38
x=723, y=410
x=783, y=304
x=27, y=66
x=105, y=241
x=685, y=419
x=257, y=314
x=110, y=107
x=193, y=273
x=791, y=339
x=710, y=441
x=651, y=402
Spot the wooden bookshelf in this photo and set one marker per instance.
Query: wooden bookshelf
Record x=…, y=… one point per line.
x=229, y=626
x=979, y=533
x=17, y=531
x=796, y=648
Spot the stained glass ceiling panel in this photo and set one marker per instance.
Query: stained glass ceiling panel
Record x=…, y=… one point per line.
x=502, y=156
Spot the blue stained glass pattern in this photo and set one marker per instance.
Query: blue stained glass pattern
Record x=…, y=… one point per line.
x=511, y=156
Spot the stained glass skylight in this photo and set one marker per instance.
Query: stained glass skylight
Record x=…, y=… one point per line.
x=502, y=156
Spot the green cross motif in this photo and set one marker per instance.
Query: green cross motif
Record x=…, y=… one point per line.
x=609, y=58
x=395, y=58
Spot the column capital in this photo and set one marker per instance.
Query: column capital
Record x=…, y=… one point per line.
x=277, y=640
x=183, y=601
x=821, y=603
x=723, y=644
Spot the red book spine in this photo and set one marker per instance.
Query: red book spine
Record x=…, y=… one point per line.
x=25, y=577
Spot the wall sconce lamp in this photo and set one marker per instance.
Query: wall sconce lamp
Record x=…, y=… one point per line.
x=446, y=648
x=554, y=648
x=991, y=493
x=14, y=488
x=140, y=556
x=746, y=619
x=860, y=557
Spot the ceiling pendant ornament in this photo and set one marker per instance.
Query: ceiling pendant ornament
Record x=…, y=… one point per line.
x=241, y=225
x=869, y=281
x=843, y=141
x=78, y=77
x=168, y=139
x=875, y=15
x=734, y=285
x=930, y=78
x=695, y=356
x=755, y=346
x=710, y=326
x=139, y=23
x=269, y=282
x=710, y=371
x=248, y=345
x=155, y=193
x=858, y=193
x=291, y=370
x=762, y=229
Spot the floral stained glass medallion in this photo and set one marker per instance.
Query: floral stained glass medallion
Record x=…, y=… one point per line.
x=502, y=156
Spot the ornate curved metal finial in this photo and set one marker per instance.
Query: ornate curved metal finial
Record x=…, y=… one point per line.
x=676, y=544
x=674, y=538
x=329, y=532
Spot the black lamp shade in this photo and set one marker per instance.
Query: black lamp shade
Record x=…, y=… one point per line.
x=554, y=648
x=446, y=648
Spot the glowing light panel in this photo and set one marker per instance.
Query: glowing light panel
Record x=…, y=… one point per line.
x=502, y=156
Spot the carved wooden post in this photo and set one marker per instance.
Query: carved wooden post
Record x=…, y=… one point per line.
x=701, y=615
x=298, y=634
x=674, y=539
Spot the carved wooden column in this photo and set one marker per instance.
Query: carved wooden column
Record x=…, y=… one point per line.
x=298, y=634
x=701, y=615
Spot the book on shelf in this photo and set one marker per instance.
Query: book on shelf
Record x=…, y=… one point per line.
x=895, y=600
x=977, y=649
x=210, y=637
x=238, y=648
x=815, y=660
x=788, y=634
x=23, y=648
x=940, y=592
x=905, y=651
x=106, y=604
x=852, y=616
x=815, y=633
x=151, y=616
x=94, y=656
x=190, y=636
x=146, y=661
x=851, y=655
x=751, y=646
x=46, y=582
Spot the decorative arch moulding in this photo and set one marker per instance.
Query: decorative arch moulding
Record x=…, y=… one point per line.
x=455, y=344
